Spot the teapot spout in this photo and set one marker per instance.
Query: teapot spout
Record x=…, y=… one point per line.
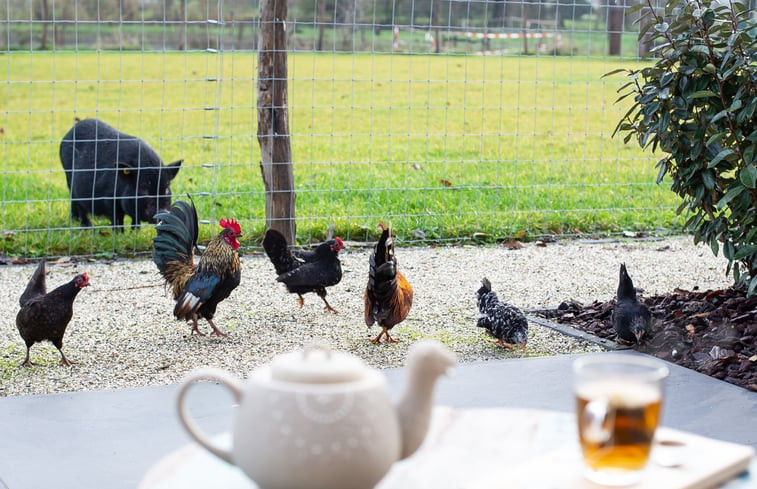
x=426, y=361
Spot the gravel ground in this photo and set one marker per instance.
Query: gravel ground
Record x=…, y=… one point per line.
x=123, y=333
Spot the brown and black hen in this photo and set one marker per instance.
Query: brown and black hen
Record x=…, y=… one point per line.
x=45, y=316
x=197, y=288
x=305, y=271
x=388, y=296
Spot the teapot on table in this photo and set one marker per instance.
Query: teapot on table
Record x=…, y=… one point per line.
x=320, y=419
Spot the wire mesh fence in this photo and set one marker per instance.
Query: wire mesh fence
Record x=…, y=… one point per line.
x=453, y=120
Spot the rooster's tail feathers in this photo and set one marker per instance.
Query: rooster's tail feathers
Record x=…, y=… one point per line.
x=275, y=246
x=176, y=235
x=37, y=284
x=384, y=250
x=626, y=290
x=186, y=306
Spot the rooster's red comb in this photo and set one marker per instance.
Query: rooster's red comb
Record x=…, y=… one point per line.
x=231, y=224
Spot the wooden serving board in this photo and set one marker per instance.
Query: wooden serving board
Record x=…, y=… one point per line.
x=496, y=448
x=694, y=463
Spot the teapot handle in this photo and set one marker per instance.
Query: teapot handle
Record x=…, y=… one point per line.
x=224, y=378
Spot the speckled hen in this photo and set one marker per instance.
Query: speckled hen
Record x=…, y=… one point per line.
x=501, y=320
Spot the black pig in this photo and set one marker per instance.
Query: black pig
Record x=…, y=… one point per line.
x=113, y=174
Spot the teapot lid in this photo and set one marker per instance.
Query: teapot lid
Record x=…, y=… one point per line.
x=317, y=364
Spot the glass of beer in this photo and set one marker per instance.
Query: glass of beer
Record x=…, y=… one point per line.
x=618, y=407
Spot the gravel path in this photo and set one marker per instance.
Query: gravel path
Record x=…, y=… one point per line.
x=123, y=333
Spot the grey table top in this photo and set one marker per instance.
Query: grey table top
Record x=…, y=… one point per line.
x=110, y=439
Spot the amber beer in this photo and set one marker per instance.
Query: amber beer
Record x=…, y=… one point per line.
x=632, y=415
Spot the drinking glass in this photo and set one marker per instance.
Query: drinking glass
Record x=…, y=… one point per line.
x=618, y=406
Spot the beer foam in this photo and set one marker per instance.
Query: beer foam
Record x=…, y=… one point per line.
x=618, y=394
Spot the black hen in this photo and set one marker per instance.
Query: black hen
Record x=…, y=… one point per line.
x=197, y=288
x=630, y=318
x=305, y=271
x=501, y=320
x=45, y=316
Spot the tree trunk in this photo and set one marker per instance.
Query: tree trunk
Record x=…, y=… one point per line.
x=59, y=33
x=524, y=25
x=321, y=23
x=435, y=23
x=183, y=26
x=615, y=26
x=645, y=44
x=273, y=119
x=43, y=16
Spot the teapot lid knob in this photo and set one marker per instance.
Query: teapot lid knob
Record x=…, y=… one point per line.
x=317, y=364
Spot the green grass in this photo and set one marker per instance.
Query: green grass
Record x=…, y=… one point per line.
x=524, y=142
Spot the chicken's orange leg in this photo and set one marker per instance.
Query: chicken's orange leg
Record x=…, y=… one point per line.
x=63, y=360
x=389, y=338
x=377, y=339
x=194, y=326
x=328, y=306
x=216, y=331
x=58, y=343
x=300, y=301
x=27, y=362
x=504, y=345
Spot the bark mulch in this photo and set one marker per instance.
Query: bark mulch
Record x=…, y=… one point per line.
x=713, y=332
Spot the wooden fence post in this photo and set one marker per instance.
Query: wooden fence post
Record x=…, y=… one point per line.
x=273, y=119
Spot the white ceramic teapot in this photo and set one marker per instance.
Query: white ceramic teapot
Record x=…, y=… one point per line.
x=319, y=419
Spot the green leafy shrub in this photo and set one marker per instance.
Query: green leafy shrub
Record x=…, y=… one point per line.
x=696, y=104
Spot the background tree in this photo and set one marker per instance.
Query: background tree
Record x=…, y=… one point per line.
x=43, y=15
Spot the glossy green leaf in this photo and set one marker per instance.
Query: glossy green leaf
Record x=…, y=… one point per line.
x=702, y=94
x=732, y=193
x=720, y=156
x=748, y=176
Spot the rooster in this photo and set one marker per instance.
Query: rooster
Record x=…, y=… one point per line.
x=199, y=288
x=45, y=316
x=630, y=318
x=388, y=296
x=305, y=271
x=501, y=320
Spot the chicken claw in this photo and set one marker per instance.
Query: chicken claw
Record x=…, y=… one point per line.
x=217, y=331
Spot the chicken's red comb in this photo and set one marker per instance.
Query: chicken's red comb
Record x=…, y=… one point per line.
x=231, y=224
x=341, y=243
